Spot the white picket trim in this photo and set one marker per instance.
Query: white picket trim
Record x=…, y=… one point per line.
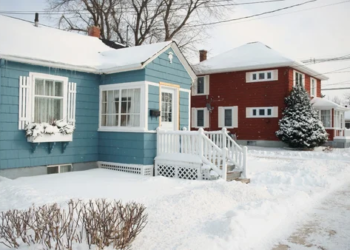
x=24, y=101
x=71, y=107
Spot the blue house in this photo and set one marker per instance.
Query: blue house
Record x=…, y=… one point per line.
x=70, y=102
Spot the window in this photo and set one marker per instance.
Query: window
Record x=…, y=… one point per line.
x=48, y=100
x=45, y=98
x=262, y=112
x=228, y=117
x=313, y=87
x=299, y=79
x=202, y=86
x=326, y=118
x=200, y=118
x=55, y=169
x=121, y=108
x=261, y=76
x=347, y=125
x=167, y=105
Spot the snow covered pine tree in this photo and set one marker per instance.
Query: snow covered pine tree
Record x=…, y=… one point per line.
x=300, y=126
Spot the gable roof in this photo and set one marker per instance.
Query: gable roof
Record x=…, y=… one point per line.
x=21, y=41
x=251, y=56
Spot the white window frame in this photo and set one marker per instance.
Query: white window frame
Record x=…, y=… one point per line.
x=313, y=80
x=250, y=76
x=250, y=112
x=302, y=78
x=35, y=76
x=143, y=108
x=221, y=116
x=330, y=117
x=206, y=86
x=194, y=118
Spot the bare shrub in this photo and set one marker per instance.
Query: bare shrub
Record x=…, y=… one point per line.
x=99, y=223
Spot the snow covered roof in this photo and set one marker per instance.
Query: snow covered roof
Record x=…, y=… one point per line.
x=251, y=56
x=320, y=103
x=21, y=41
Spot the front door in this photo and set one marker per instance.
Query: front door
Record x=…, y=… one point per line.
x=168, y=108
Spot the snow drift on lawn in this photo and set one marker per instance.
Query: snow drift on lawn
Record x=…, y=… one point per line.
x=199, y=214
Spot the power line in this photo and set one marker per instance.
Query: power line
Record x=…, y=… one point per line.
x=259, y=14
x=30, y=12
x=321, y=60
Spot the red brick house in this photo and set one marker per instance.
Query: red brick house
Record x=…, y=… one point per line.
x=244, y=90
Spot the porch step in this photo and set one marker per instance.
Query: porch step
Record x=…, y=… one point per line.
x=236, y=176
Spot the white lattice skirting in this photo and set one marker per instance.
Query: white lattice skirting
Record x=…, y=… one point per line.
x=127, y=168
x=181, y=170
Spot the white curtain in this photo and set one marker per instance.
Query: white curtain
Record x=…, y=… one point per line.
x=48, y=104
x=326, y=118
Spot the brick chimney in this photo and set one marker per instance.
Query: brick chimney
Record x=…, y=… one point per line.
x=94, y=31
x=202, y=55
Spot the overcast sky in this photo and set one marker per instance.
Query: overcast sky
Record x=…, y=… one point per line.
x=315, y=30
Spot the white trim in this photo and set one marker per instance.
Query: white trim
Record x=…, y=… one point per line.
x=189, y=111
x=59, y=167
x=120, y=86
x=51, y=138
x=274, y=112
x=157, y=85
x=303, y=78
x=183, y=61
x=274, y=76
x=311, y=79
x=33, y=76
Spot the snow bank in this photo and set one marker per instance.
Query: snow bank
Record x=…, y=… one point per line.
x=201, y=214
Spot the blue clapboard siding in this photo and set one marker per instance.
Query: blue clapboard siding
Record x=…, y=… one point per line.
x=153, y=103
x=15, y=151
x=124, y=147
x=161, y=70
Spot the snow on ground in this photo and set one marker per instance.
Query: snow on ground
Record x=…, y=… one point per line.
x=203, y=214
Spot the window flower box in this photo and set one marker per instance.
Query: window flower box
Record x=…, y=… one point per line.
x=51, y=138
x=58, y=131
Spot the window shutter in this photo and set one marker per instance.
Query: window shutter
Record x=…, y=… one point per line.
x=248, y=112
x=194, y=118
x=235, y=117
x=206, y=118
x=275, y=112
x=206, y=85
x=315, y=82
x=275, y=74
x=72, y=91
x=25, y=87
x=221, y=118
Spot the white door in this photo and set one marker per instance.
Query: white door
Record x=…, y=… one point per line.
x=168, y=108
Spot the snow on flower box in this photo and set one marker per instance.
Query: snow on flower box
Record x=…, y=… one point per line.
x=51, y=138
x=58, y=131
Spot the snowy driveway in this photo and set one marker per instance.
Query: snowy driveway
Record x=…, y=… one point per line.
x=325, y=227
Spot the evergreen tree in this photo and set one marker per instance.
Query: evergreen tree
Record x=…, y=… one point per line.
x=300, y=126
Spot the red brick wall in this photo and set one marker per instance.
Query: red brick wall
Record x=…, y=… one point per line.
x=231, y=89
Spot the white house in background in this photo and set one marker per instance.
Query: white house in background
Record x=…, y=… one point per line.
x=333, y=118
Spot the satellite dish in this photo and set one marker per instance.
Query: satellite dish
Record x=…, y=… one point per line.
x=209, y=107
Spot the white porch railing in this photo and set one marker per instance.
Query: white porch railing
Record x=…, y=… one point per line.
x=214, y=148
x=236, y=154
